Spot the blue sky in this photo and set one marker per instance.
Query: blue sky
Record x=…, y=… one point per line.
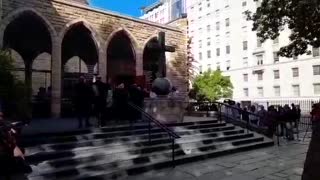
x=129, y=7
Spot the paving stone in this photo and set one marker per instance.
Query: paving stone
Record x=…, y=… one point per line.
x=198, y=169
x=239, y=177
x=217, y=175
x=272, y=177
x=281, y=175
x=262, y=172
x=250, y=167
x=226, y=164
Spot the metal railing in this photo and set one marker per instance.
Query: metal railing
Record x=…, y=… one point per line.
x=173, y=136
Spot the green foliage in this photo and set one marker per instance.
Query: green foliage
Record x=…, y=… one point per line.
x=13, y=93
x=302, y=17
x=211, y=85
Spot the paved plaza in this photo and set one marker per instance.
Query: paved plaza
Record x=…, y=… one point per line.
x=274, y=163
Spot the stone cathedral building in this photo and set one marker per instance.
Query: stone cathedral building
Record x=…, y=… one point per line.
x=53, y=42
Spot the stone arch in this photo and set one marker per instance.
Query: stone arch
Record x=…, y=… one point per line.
x=154, y=36
x=95, y=35
x=133, y=40
x=17, y=13
x=122, y=66
x=150, y=61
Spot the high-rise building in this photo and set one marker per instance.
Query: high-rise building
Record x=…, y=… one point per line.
x=222, y=38
x=164, y=11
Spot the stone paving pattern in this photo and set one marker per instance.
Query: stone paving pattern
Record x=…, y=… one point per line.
x=274, y=163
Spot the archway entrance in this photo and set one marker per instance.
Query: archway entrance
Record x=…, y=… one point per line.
x=121, y=59
x=79, y=58
x=151, y=61
x=29, y=41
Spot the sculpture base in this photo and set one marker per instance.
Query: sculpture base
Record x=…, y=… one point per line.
x=166, y=110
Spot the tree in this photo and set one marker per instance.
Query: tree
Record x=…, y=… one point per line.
x=13, y=93
x=302, y=17
x=211, y=85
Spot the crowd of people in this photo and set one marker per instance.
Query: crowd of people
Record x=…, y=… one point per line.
x=285, y=118
x=104, y=101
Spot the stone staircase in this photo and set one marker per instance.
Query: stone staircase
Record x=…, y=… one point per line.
x=123, y=150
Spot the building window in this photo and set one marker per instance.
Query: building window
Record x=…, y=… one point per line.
x=295, y=57
x=296, y=90
x=260, y=76
x=218, y=51
x=227, y=22
x=276, y=40
x=208, y=41
x=244, y=3
x=276, y=74
x=245, y=61
x=246, y=92
x=209, y=67
x=245, y=77
x=209, y=54
x=295, y=72
x=200, y=43
x=315, y=52
x=200, y=69
x=276, y=91
x=259, y=60
x=156, y=15
x=208, y=28
x=200, y=56
x=260, y=91
x=228, y=49
x=208, y=5
x=218, y=66
x=259, y=42
x=316, y=70
x=316, y=89
x=275, y=57
x=245, y=45
x=217, y=26
x=200, y=30
x=228, y=65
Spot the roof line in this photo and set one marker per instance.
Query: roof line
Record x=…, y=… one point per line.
x=108, y=12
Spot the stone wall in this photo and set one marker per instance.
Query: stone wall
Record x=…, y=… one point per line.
x=60, y=15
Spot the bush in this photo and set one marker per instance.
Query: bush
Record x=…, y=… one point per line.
x=13, y=93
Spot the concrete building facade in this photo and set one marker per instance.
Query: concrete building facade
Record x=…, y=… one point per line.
x=59, y=30
x=222, y=38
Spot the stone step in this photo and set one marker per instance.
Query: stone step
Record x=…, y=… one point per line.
x=213, y=132
x=116, y=127
x=133, y=148
x=98, y=134
x=103, y=170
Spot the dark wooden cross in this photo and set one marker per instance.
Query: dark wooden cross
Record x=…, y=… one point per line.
x=161, y=47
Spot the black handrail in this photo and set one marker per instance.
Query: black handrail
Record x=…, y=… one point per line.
x=173, y=136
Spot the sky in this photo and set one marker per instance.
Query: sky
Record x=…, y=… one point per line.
x=128, y=7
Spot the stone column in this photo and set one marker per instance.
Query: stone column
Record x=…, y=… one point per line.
x=56, y=78
x=139, y=62
x=103, y=64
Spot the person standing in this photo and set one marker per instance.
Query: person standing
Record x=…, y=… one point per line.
x=312, y=163
x=120, y=97
x=100, y=91
x=83, y=101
